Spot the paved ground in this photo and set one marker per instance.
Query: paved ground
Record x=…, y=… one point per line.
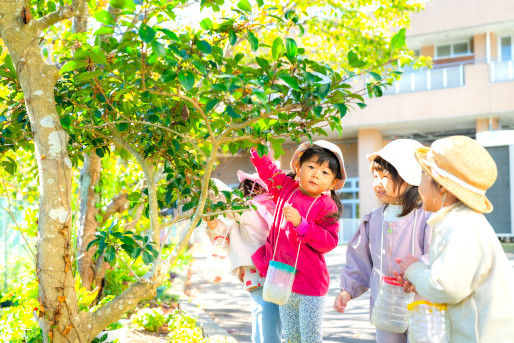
x=228, y=304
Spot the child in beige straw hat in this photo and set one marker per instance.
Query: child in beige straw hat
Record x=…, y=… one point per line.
x=468, y=269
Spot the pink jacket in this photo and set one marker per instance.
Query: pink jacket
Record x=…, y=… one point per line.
x=320, y=235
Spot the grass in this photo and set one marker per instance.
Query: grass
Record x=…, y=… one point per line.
x=508, y=247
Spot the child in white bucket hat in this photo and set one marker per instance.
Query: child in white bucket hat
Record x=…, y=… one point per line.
x=468, y=269
x=305, y=227
x=392, y=230
x=245, y=233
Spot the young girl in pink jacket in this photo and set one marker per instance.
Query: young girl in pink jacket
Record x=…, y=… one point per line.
x=311, y=211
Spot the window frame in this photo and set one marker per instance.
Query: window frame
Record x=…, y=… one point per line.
x=499, y=47
x=452, y=53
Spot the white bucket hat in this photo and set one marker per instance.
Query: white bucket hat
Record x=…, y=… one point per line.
x=400, y=154
x=241, y=176
x=295, y=160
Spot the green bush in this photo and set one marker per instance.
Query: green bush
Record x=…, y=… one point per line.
x=183, y=328
x=150, y=319
x=17, y=323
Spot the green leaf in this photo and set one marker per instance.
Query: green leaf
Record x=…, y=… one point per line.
x=342, y=108
x=260, y=3
x=398, y=40
x=276, y=144
x=262, y=150
x=244, y=5
x=211, y=104
x=206, y=24
x=276, y=48
x=158, y=48
x=123, y=4
x=317, y=110
x=361, y=105
x=93, y=242
x=254, y=42
x=104, y=17
x=232, y=37
x=231, y=112
x=262, y=62
x=354, y=60
x=134, y=196
x=146, y=33
x=88, y=75
x=66, y=121
x=147, y=257
x=204, y=46
x=187, y=79
x=375, y=76
x=73, y=65
x=10, y=166
x=291, y=48
x=291, y=81
x=104, y=30
x=110, y=254
x=170, y=34
x=99, y=152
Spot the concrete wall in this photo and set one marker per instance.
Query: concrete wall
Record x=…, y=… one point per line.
x=448, y=15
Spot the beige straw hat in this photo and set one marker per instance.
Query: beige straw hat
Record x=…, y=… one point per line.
x=463, y=167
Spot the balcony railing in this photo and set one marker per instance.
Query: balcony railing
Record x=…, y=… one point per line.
x=501, y=71
x=428, y=79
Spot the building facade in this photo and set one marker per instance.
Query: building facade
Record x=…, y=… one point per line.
x=468, y=91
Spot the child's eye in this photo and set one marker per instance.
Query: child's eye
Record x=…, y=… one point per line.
x=311, y=167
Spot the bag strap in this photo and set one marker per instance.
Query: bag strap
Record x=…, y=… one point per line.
x=382, y=240
x=280, y=228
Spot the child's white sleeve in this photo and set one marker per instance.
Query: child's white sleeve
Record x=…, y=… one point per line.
x=449, y=279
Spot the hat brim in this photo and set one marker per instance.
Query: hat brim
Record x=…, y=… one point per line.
x=477, y=202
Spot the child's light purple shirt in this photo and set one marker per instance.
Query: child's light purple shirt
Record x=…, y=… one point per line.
x=365, y=250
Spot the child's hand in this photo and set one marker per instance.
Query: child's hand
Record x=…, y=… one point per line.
x=292, y=215
x=408, y=287
x=211, y=224
x=405, y=262
x=341, y=301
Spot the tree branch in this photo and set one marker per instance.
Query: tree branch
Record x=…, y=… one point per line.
x=77, y=8
x=191, y=101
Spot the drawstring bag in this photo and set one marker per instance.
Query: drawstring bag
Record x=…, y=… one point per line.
x=280, y=276
x=428, y=322
x=390, y=309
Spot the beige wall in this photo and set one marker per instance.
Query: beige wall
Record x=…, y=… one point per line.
x=369, y=141
x=477, y=98
x=228, y=167
x=448, y=15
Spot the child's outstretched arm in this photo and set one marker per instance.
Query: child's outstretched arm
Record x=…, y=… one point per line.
x=269, y=173
x=356, y=273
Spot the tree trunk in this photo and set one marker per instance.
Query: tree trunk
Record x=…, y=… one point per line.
x=59, y=318
x=88, y=225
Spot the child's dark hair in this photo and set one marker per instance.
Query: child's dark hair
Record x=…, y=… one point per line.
x=409, y=200
x=248, y=187
x=323, y=155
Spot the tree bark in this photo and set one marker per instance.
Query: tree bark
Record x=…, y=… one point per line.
x=88, y=225
x=59, y=317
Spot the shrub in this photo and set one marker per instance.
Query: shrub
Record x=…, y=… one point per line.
x=150, y=319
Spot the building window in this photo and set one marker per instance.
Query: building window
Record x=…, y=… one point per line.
x=452, y=50
x=349, y=222
x=506, y=48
